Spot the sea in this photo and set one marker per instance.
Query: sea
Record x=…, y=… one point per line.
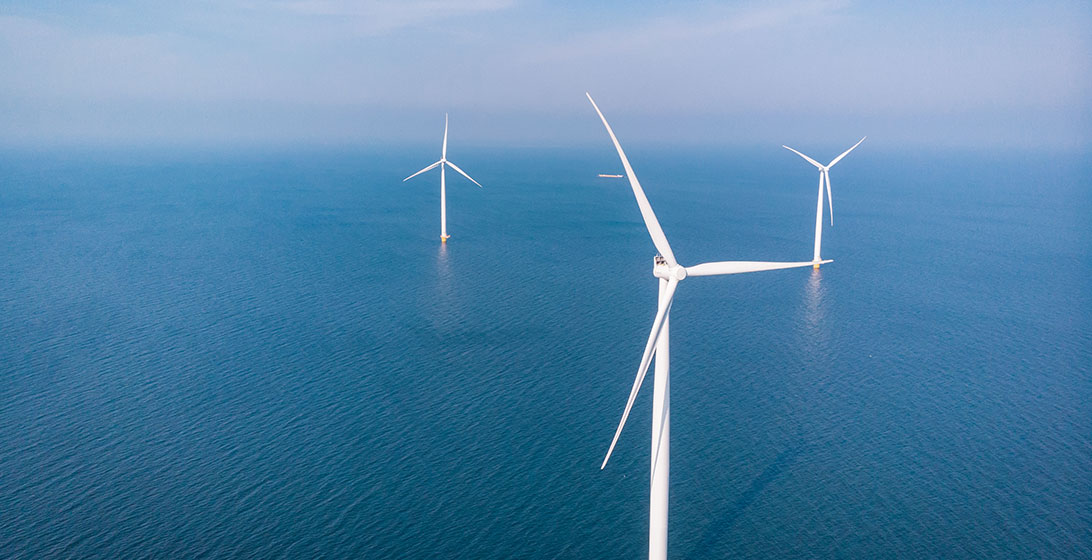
x=268, y=353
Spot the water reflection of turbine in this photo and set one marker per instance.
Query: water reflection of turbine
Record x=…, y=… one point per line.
x=443, y=267
x=815, y=332
x=814, y=301
x=445, y=310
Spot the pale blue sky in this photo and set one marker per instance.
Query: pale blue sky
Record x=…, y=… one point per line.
x=999, y=74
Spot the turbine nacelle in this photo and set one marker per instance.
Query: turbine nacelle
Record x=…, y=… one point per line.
x=660, y=269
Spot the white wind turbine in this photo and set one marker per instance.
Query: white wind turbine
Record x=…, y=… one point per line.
x=443, y=183
x=670, y=274
x=824, y=175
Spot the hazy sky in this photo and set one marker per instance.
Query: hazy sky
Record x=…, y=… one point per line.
x=1005, y=74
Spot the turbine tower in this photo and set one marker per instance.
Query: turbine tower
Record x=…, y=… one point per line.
x=670, y=273
x=824, y=175
x=443, y=183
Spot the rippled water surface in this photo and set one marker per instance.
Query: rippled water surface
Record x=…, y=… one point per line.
x=272, y=355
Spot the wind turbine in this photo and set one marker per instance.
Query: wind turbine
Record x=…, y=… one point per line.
x=443, y=183
x=824, y=175
x=670, y=273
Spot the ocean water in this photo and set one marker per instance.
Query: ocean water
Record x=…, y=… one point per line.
x=270, y=355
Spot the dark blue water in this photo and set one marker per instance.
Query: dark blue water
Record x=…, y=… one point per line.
x=271, y=355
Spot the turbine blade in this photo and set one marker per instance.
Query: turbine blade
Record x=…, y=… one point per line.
x=422, y=171
x=646, y=359
x=830, y=201
x=463, y=173
x=812, y=161
x=739, y=267
x=653, y=225
x=839, y=158
x=443, y=152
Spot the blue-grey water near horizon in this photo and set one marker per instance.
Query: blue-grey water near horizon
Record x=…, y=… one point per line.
x=270, y=355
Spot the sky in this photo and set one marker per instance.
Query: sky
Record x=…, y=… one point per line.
x=383, y=72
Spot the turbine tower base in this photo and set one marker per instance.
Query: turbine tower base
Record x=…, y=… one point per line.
x=444, y=238
x=815, y=266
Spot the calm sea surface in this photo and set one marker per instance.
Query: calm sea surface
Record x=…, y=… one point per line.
x=272, y=356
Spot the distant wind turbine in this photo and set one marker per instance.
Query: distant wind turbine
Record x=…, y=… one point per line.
x=443, y=183
x=824, y=175
x=670, y=274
